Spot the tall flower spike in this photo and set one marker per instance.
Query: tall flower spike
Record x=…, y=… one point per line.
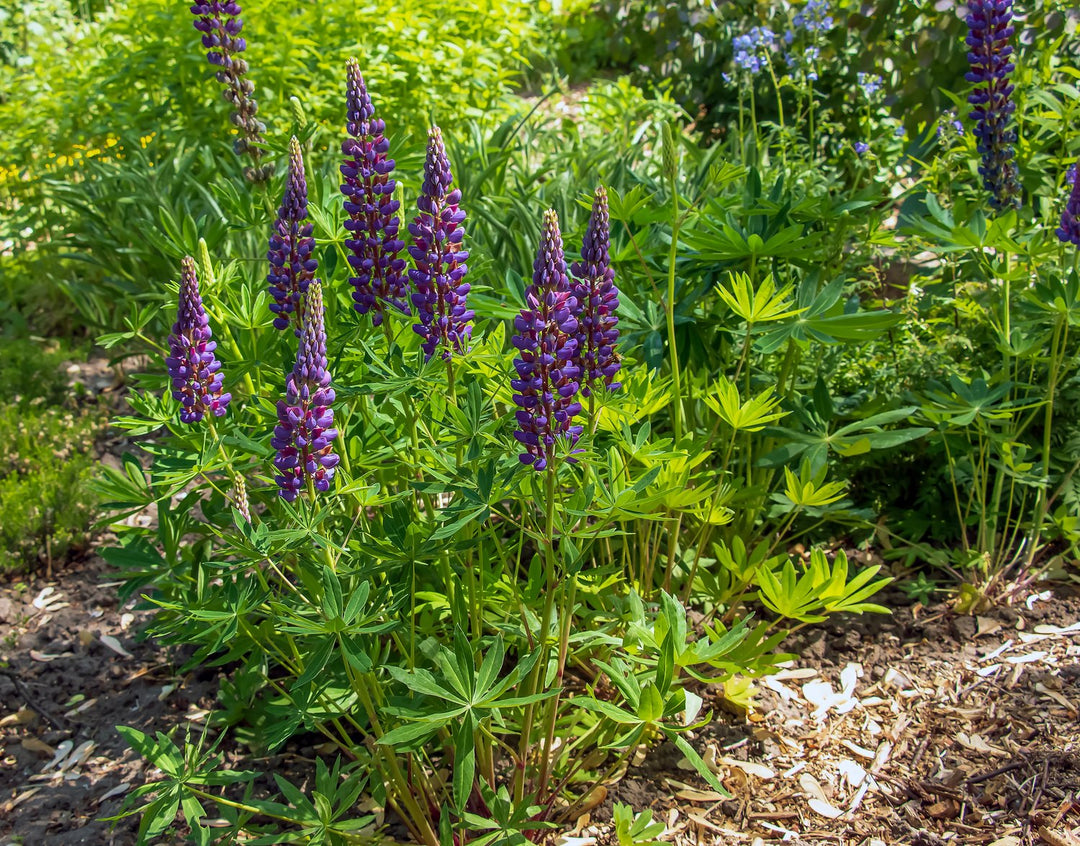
x=369, y=202
x=220, y=26
x=305, y=430
x=546, y=388
x=441, y=294
x=292, y=265
x=989, y=30
x=1070, y=218
x=195, y=371
x=598, y=298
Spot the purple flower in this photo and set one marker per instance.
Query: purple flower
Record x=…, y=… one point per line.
x=441, y=293
x=546, y=339
x=195, y=371
x=220, y=26
x=370, y=204
x=597, y=298
x=1070, y=217
x=989, y=30
x=305, y=430
x=292, y=266
x=861, y=147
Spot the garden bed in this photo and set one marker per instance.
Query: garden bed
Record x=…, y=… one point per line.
x=919, y=728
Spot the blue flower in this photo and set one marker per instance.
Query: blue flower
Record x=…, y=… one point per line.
x=813, y=17
x=749, y=48
x=305, y=430
x=1069, y=232
x=989, y=31
x=194, y=369
x=546, y=338
x=369, y=201
x=861, y=147
x=292, y=265
x=597, y=299
x=439, y=277
x=869, y=82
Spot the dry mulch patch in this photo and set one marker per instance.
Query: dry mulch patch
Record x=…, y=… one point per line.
x=921, y=728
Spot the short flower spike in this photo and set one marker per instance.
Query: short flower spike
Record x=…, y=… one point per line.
x=195, y=371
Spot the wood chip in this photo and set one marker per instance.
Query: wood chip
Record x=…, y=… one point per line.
x=113, y=644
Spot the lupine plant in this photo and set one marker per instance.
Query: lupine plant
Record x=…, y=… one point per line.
x=435, y=587
x=220, y=24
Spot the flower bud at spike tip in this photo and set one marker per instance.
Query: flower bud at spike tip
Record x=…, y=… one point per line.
x=305, y=430
x=598, y=298
x=195, y=371
x=373, y=223
x=668, y=153
x=292, y=265
x=205, y=266
x=546, y=386
x=989, y=31
x=239, y=498
x=1069, y=232
x=439, y=278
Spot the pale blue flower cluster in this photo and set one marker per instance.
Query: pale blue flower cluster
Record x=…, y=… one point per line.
x=749, y=48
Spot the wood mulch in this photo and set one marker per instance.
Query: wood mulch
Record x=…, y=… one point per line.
x=920, y=728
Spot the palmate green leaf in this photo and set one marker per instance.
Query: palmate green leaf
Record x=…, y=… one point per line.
x=194, y=813
x=757, y=306
x=751, y=416
x=421, y=681
x=821, y=589
x=160, y=751
x=407, y=735
x=809, y=489
x=822, y=318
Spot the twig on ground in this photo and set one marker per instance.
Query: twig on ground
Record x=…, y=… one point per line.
x=20, y=688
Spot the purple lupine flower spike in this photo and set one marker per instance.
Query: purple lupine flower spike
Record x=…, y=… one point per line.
x=546, y=339
x=220, y=26
x=195, y=371
x=369, y=201
x=441, y=292
x=1070, y=218
x=989, y=30
x=598, y=298
x=305, y=430
x=292, y=265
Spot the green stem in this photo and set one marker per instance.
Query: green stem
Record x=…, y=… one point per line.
x=677, y=410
